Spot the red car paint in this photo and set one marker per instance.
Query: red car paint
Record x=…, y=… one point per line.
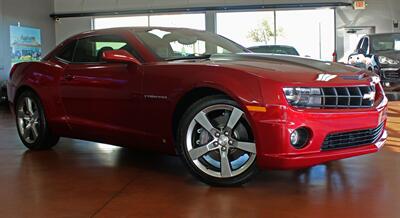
x=133, y=105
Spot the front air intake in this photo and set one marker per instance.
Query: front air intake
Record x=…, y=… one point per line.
x=352, y=139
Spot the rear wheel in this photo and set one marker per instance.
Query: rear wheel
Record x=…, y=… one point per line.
x=217, y=143
x=32, y=124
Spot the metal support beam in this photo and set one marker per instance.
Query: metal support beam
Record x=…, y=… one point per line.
x=200, y=9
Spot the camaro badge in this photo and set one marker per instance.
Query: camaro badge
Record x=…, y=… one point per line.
x=325, y=77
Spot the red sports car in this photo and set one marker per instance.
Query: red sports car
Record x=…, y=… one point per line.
x=227, y=112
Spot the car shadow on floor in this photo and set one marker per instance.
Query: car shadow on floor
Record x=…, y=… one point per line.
x=149, y=164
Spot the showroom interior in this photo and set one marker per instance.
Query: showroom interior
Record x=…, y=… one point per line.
x=79, y=178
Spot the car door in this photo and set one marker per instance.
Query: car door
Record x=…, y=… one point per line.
x=101, y=99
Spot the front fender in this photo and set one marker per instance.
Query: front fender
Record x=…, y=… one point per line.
x=43, y=79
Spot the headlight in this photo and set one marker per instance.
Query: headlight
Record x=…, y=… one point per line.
x=388, y=61
x=303, y=96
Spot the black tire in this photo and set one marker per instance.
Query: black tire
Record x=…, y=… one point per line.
x=44, y=139
x=183, y=130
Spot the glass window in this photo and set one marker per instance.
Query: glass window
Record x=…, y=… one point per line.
x=311, y=32
x=67, y=52
x=192, y=21
x=386, y=42
x=364, y=46
x=183, y=43
x=275, y=49
x=247, y=28
x=112, y=22
x=90, y=50
x=360, y=43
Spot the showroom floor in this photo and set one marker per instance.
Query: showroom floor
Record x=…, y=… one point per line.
x=82, y=179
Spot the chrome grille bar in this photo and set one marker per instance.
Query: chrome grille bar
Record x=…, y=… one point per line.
x=343, y=97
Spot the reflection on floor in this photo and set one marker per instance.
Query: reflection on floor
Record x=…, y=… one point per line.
x=394, y=127
x=83, y=179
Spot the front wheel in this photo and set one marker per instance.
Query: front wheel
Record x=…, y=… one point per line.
x=32, y=124
x=217, y=143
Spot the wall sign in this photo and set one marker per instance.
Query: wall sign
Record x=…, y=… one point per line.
x=25, y=44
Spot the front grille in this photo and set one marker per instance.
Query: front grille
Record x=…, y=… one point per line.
x=351, y=139
x=346, y=97
x=391, y=74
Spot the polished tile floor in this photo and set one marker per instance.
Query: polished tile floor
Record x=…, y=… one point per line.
x=82, y=179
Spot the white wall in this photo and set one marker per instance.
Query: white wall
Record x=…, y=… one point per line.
x=68, y=27
x=30, y=13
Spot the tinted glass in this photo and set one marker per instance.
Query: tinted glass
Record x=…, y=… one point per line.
x=185, y=43
x=364, y=47
x=360, y=43
x=387, y=42
x=67, y=52
x=90, y=50
x=285, y=50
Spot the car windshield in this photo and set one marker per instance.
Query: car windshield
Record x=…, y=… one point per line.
x=389, y=42
x=177, y=44
x=285, y=50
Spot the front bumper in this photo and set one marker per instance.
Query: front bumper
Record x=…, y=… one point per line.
x=274, y=127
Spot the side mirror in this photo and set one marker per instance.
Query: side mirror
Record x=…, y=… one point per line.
x=119, y=56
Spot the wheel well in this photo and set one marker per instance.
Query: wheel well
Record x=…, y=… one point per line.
x=21, y=90
x=189, y=99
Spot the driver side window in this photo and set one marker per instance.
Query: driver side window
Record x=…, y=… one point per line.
x=90, y=49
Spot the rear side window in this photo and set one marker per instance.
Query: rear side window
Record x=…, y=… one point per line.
x=365, y=45
x=360, y=43
x=90, y=50
x=258, y=50
x=67, y=53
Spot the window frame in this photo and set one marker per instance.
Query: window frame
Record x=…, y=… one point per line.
x=76, y=41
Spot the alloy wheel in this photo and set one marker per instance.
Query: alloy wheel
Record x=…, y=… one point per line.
x=28, y=118
x=220, y=142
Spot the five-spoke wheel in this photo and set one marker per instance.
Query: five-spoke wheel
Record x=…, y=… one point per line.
x=28, y=120
x=218, y=144
x=31, y=122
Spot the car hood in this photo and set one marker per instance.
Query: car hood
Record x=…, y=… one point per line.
x=289, y=68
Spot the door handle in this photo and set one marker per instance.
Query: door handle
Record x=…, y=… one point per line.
x=69, y=77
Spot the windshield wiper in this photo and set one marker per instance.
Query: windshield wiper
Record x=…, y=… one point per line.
x=190, y=58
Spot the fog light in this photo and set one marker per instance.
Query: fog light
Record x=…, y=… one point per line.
x=300, y=137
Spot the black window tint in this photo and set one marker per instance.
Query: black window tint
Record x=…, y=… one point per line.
x=258, y=50
x=67, y=52
x=365, y=45
x=90, y=50
x=360, y=43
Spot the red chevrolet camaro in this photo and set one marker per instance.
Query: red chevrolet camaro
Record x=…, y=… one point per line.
x=227, y=112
